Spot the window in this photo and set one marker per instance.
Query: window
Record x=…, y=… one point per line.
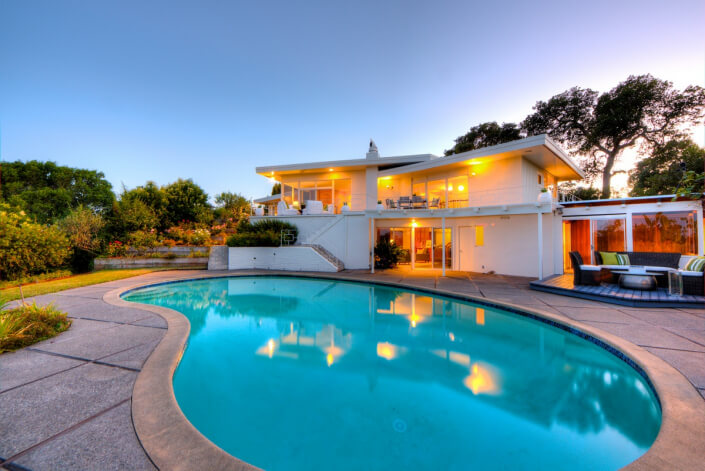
x=419, y=188
x=665, y=232
x=437, y=193
x=609, y=234
x=479, y=236
x=458, y=192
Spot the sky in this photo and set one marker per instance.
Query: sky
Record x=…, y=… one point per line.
x=209, y=90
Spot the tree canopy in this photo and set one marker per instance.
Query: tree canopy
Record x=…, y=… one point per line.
x=485, y=135
x=48, y=192
x=663, y=171
x=642, y=110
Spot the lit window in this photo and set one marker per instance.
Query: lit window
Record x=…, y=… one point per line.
x=479, y=236
x=665, y=232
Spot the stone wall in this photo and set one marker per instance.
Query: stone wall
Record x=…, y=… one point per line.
x=136, y=262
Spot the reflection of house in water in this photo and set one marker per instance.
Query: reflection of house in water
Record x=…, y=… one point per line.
x=500, y=359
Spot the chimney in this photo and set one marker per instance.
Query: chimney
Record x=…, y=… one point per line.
x=373, y=153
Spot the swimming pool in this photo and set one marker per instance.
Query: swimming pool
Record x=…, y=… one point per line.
x=296, y=373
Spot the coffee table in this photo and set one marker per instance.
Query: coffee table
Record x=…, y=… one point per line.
x=643, y=280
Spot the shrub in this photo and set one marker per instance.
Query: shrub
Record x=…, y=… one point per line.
x=199, y=237
x=27, y=248
x=387, y=254
x=255, y=239
x=116, y=249
x=143, y=241
x=29, y=324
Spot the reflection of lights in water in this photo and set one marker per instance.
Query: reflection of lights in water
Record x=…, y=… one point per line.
x=386, y=350
x=480, y=380
x=270, y=347
x=330, y=359
x=451, y=336
x=480, y=316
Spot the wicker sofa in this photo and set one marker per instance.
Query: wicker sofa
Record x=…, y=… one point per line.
x=693, y=282
x=587, y=274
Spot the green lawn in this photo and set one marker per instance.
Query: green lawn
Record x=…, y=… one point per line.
x=75, y=281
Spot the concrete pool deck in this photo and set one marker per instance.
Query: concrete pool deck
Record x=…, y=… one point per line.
x=66, y=402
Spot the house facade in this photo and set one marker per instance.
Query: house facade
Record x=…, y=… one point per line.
x=491, y=210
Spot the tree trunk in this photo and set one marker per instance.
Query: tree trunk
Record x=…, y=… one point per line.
x=607, y=174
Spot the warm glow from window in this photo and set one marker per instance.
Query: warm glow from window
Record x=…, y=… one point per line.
x=450, y=187
x=461, y=187
x=480, y=316
x=479, y=236
x=480, y=381
x=475, y=162
x=386, y=350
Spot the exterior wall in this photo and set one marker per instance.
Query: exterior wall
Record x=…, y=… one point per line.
x=583, y=211
x=278, y=258
x=218, y=259
x=510, y=243
x=345, y=236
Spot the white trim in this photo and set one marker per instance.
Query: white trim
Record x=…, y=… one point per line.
x=361, y=163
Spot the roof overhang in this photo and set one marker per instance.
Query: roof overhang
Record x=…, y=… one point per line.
x=268, y=199
x=342, y=165
x=540, y=150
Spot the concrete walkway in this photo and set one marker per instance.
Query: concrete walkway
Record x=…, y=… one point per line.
x=65, y=402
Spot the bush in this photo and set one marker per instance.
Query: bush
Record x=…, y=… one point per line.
x=27, y=248
x=143, y=241
x=82, y=260
x=116, y=249
x=29, y=324
x=255, y=239
x=387, y=254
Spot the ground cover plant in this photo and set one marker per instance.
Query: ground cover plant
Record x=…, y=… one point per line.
x=28, y=324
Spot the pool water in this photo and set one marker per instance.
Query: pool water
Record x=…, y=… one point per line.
x=304, y=374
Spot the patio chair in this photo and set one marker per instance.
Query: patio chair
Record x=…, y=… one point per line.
x=418, y=201
x=435, y=203
x=587, y=274
x=284, y=210
x=313, y=207
x=390, y=204
x=404, y=202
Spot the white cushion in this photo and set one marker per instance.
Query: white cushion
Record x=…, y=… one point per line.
x=690, y=273
x=684, y=260
x=591, y=267
x=616, y=267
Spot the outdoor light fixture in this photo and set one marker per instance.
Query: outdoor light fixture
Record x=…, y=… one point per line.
x=330, y=169
x=474, y=162
x=461, y=187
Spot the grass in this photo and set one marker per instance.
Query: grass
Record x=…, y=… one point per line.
x=29, y=324
x=74, y=281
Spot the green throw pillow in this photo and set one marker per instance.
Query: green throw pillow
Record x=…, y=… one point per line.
x=622, y=259
x=696, y=264
x=609, y=258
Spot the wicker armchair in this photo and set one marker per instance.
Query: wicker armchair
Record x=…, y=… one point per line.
x=587, y=274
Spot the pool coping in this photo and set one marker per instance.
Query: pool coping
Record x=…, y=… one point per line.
x=172, y=442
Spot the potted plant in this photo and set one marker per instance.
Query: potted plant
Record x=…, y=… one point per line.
x=345, y=207
x=259, y=211
x=380, y=206
x=545, y=196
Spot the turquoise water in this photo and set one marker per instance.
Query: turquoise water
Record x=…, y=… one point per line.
x=302, y=374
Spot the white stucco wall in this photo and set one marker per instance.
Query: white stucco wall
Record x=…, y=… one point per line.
x=278, y=258
x=345, y=236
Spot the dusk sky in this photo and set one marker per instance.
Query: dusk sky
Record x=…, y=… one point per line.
x=208, y=90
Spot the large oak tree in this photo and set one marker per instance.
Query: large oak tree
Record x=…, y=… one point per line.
x=485, y=135
x=642, y=110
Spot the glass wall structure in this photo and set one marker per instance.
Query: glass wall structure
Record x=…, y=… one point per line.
x=665, y=232
x=335, y=192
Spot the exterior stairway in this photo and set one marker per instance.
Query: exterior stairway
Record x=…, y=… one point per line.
x=326, y=254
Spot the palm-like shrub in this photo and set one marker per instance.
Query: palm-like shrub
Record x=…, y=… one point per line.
x=387, y=254
x=264, y=233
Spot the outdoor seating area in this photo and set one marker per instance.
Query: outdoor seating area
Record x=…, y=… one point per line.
x=655, y=279
x=311, y=207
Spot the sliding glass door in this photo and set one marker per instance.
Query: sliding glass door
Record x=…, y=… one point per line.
x=597, y=233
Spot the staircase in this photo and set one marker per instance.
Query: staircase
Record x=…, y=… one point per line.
x=327, y=255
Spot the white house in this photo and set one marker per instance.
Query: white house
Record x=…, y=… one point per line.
x=494, y=209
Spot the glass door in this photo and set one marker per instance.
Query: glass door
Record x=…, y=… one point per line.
x=609, y=234
x=439, y=248
x=598, y=233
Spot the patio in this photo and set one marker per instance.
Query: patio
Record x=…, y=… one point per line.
x=615, y=294
x=66, y=402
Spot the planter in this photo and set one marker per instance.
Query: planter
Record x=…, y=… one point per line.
x=380, y=207
x=345, y=209
x=545, y=197
x=259, y=211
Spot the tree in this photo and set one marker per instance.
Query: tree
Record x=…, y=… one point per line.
x=641, y=110
x=28, y=248
x=47, y=191
x=485, y=135
x=231, y=205
x=82, y=227
x=663, y=170
x=150, y=197
x=186, y=201
x=583, y=193
x=277, y=189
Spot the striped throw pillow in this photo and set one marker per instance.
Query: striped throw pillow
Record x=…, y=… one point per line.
x=622, y=259
x=695, y=264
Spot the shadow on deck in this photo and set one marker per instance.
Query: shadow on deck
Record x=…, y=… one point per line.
x=609, y=293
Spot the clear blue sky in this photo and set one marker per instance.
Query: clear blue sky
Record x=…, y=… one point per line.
x=156, y=90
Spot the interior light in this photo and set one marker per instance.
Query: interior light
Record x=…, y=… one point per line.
x=475, y=162
x=473, y=174
x=461, y=187
x=414, y=224
x=330, y=169
x=450, y=187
